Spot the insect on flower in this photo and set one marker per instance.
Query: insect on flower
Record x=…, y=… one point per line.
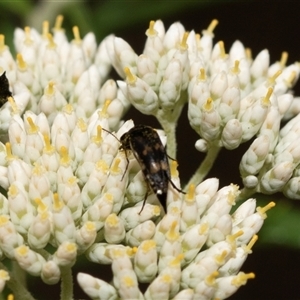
x=147, y=148
x=4, y=89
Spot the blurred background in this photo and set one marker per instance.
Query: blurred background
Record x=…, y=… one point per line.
x=258, y=25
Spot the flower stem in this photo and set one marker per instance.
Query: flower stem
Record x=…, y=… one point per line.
x=205, y=166
x=66, y=284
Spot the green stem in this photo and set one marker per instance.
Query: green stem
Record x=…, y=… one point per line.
x=17, y=288
x=246, y=194
x=66, y=284
x=205, y=166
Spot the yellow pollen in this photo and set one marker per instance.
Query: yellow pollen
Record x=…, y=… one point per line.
x=51, y=43
x=272, y=79
x=57, y=204
x=202, y=75
x=115, y=166
x=156, y=210
x=233, y=237
x=112, y=220
x=177, y=260
x=102, y=165
x=172, y=234
x=9, y=155
x=208, y=105
x=222, y=49
x=10, y=297
x=213, y=24
x=72, y=180
x=109, y=197
x=210, y=280
x=220, y=259
x=241, y=278
x=76, y=34
x=262, y=210
x=81, y=124
x=130, y=78
x=71, y=247
x=148, y=245
x=248, y=53
x=174, y=172
x=22, y=250
x=151, y=32
x=90, y=226
x=183, y=45
x=235, y=68
x=166, y=278
x=28, y=39
x=68, y=109
x=20, y=62
x=231, y=197
x=32, y=127
x=129, y=282
x=97, y=139
x=48, y=147
x=283, y=59
x=203, y=229
x=41, y=205
x=131, y=251
x=64, y=156
x=49, y=91
x=58, y=22
x=248, y=248
x=190, y=196
x=4, y=275
x=105, y=106
x=45, y=29
x=266, y=100
x=37, y=169
x=198, y=38
x=13, y=191
x=2, y=43
x=4, y=219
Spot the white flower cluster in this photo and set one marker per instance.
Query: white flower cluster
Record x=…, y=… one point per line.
x=68, y=185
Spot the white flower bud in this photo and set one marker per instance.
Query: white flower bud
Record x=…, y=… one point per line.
x=4, y=276
x=50, y=272
x=65, y=255
x=114, y=231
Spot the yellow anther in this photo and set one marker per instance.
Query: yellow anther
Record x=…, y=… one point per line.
x=202, y=75
x=72, y=180
x=208, y=105
x=283, y=59
x=151, y=32
x=51, y=43
x=45, y=29
x=273, y=78
x=177, y=260
x=71, y=247
x=115, y=169
x=222, y=49
x=131, y=251
x=13, y=191
x=241, y=278
x=235, y=68
x=57, y=204
x=37, y=169
x=68, y=109
x=198, y=38
x=156, y=210
x=190, y=195
x=183, y=45
x=173, y=234
x=10, y=297
x=148, y=245
x=248, y=53
x=32, y=127
x=49, y=90
x=64, y=156
x=210, y=280
x=262, y=210
x=2, y=43
x=109, y=197
x=112, y=220
x=97, y=139
x=203, y=229
x=48, y=147
x=101, y=165
x=81, y=124
x=130, y=78
x=28, y=39
x=42, y=207
x=4, y=219
x=248, y=248
x=220, y=259
x=105, y=106
x=58, y=22
x=9, y=155
x=76, y=34
x=166, y=278
x=20, y=62
x=90, y=226
x=174, y=172
x=212, y=26
x=22, y=250
x=232, y=238
x=129, y=282
x=266, y=100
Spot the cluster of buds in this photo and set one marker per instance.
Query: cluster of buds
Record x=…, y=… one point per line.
x=68, y=185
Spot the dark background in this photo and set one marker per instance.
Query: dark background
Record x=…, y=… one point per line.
x=265, y=24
